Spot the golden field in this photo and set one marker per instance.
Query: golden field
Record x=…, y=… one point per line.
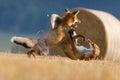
x=20, y=67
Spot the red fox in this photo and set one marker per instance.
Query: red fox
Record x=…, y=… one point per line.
x=89, y=53
x=58, y=35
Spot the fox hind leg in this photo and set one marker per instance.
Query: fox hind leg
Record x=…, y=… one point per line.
x=29, y=53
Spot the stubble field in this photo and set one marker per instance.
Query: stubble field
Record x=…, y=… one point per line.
x=20, y=67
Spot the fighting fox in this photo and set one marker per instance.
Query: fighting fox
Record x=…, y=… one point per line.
x=89, y=53
x=53, y=37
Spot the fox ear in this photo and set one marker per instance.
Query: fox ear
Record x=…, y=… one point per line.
x=76, y=12
x=67, y=10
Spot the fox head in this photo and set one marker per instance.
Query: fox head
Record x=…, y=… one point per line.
x=67, y=19
x=70, y=18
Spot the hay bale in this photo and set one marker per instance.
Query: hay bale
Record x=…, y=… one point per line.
x=104, y=29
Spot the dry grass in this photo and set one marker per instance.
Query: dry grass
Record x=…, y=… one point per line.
x=20, y=67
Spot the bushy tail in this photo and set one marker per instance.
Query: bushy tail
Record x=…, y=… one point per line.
x=55, y=20
x=23, y=41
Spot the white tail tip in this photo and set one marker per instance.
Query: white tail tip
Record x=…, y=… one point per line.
x=13, y=39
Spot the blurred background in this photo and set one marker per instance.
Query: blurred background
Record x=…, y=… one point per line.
x=28, y=17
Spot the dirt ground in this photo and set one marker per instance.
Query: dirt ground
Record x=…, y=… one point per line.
x=20, y=67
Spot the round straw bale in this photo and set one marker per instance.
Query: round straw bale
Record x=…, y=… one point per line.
x=102, y=28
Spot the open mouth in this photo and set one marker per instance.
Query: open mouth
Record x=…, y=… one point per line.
x=75, y=24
